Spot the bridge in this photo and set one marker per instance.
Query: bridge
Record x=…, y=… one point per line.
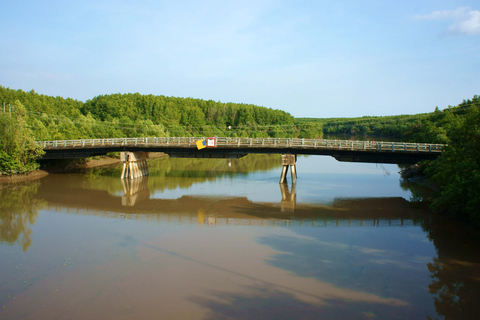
x=236, y=147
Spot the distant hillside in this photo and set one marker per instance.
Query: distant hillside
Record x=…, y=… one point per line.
x=136, y=115
x=424, y=127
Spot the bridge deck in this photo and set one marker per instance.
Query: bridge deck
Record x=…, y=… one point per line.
x=342, y=150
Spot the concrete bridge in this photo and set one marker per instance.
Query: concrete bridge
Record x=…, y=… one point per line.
x=223, y=147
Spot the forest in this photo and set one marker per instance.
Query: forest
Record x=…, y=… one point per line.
x=26, y=117
x=136, y=115
x=425, y=127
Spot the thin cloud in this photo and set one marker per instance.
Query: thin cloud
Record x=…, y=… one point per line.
x=465, y=20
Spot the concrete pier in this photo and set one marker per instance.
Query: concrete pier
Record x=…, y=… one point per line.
x=289, y=160
x=134, y=165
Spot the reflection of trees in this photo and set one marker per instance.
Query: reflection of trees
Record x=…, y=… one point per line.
x=419, y=192
x=172, y=173
x=455, y=272
x=18, y=210
x=414, y=180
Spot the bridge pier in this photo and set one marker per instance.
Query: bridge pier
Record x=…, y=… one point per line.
x=134, y=164
x=289, y=160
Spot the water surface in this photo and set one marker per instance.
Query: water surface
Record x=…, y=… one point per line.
x=221, y=239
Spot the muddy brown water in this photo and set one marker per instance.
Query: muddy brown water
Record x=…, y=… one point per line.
x=221, y=239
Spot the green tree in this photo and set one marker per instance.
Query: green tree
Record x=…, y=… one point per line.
x=457, y=171
x=18, y=149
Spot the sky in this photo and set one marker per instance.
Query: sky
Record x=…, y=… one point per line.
x=310, y=58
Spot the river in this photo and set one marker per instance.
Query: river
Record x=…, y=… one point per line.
x=221, y=239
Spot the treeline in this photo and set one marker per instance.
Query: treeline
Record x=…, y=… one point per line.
x=136, y=115
x=426, y=127
x=187, y=115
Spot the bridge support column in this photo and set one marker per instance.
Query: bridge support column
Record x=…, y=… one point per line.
x=134, y=165
x=289, y=160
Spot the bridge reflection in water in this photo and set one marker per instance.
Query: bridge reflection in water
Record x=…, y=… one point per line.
x=222, y=211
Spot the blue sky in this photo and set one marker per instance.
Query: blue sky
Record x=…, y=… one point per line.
x=309, y=58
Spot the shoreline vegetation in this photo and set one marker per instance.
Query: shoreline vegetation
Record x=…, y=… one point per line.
x=69, y=167
x=26, y=117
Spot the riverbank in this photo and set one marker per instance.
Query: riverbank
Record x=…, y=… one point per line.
x=69, y=167
x=415, y=174
x=108, y=161
x=15, y=178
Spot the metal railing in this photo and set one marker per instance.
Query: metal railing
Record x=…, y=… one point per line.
x=231, y=143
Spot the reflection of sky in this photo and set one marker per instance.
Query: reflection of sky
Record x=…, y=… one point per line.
x=388, y=262
x=321, y=179
x=81, y=260
x=95, y=266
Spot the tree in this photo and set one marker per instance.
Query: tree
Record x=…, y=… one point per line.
x=457, y=171
x=18, y=149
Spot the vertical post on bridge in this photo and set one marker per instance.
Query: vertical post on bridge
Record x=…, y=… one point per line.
x=288, y=160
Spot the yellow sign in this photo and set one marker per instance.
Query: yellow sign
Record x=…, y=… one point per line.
x=201, y=144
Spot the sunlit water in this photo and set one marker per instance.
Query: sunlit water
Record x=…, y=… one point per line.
x=221, y=239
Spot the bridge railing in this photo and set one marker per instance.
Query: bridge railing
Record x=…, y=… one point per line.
x=237, y=142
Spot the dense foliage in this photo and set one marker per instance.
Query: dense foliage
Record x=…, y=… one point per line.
x=18, y=150
x=136, y=115
x=426, y=127
x=457, y=172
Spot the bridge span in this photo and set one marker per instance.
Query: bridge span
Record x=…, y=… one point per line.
x=186, y=147
x=236, y=147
